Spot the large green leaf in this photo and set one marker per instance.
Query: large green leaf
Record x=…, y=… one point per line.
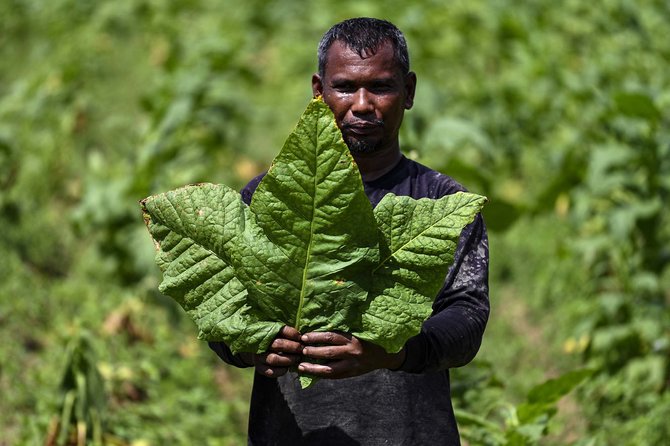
x=192, y=240
x=418, y=241
x=309, y=251
x=312, y=205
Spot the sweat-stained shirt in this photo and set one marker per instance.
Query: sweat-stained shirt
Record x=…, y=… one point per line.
x=411, y=406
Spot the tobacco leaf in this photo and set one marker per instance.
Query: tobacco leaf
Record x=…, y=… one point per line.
x=309, y=252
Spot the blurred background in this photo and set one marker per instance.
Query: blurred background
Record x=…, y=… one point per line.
x=557, y=111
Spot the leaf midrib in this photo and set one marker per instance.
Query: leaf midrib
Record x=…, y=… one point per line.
x=311, y=235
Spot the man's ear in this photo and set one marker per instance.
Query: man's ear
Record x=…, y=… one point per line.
x=317, y=85
x=410, y=89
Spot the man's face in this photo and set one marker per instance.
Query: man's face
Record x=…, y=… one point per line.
x=368, y=96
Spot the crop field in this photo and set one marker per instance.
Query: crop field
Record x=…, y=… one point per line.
x=556, y=111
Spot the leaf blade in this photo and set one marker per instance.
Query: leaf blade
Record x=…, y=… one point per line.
x=419, y=242
x=196, y=265
x=312, y=205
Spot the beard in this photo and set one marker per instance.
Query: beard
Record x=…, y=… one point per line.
x=357, y=146
x=361, y=146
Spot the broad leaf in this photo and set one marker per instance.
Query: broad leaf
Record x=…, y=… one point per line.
x=191, y=239
x=312, y=205
x=309, y=251
x=418, y=242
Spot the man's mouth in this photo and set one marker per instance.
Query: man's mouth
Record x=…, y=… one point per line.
x=363, y=127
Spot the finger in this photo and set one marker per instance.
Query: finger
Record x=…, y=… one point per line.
x=286, y=346
x=291, y=333
x=329, y=352
x=332, y=370
x=319, y=370
x=326, y=337
x=281, y=360
x=271, y=372
x=259, y=359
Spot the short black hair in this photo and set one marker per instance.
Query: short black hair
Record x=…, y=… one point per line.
x=364, y=35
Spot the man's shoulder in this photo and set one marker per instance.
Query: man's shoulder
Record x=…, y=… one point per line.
x=435, y=175
x=248, y=190
x=435, y=183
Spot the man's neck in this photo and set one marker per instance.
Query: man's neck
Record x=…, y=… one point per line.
x=375, y=165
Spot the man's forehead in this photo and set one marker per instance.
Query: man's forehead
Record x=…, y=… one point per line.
x=339, y=46
x=341, y=58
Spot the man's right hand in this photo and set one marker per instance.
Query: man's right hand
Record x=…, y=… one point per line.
x=284, y=353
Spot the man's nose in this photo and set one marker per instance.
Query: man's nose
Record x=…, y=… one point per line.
x=363, y=102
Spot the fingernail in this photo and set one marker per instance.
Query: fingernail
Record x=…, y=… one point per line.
x=304, y=338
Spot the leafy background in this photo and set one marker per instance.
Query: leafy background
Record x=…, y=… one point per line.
x=555, y=110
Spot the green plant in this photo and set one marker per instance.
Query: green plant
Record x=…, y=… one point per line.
x=84, y=398
x=309, y=251
x=524, y=424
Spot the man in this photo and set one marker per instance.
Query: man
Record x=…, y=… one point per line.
x=401, y=398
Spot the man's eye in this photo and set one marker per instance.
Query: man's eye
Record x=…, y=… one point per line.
x=381, y=88
x=344, y=88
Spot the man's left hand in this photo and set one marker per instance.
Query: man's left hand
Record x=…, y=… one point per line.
x=342, y=355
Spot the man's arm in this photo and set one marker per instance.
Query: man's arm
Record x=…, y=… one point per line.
x=222, y=350
x=451, y=337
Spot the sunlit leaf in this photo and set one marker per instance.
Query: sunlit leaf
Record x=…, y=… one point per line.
x=309, y=251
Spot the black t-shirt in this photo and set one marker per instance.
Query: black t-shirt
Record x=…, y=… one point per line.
x=411, y=406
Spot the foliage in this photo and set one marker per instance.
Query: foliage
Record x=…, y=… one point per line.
x=624, y=241
x=524, y=424
x=84, y=398
x=309, y=252
x=557, y=111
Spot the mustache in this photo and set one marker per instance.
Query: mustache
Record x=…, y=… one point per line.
x=363, y=123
